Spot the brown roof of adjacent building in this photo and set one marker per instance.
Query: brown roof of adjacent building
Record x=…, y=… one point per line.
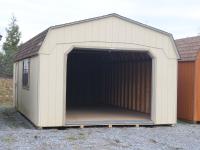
x=188, y=48
x=31, y=47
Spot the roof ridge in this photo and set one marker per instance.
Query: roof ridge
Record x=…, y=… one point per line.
x=112, y=15
x=32, y=46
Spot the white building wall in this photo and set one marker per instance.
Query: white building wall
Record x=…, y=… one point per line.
x=105, y=33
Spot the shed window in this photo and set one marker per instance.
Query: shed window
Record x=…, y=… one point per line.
x=26, y=74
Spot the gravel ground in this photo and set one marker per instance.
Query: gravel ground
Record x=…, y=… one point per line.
x=17, y=133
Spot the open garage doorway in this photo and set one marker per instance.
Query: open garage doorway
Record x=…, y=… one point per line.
x=108, y=87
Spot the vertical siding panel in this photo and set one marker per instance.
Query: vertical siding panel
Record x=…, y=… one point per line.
x=186, y=93
x=141, y=85
x=113, y=84
x=197, y=89
x=102, y=98
x=138, y=86
x=143, y=88
x=128, y=80
x=113, y=94
x=109, y=81
x=134, y=94
x=122, y=86
x=147, y=87
x=104, y=81
x=124, y=89
x=126, y=85
x=130, y=86
x=119, y=85
x=106, y=84
x=116, y=78
x=140, y=82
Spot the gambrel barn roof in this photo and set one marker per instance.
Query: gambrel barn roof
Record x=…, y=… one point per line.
x=32, y=46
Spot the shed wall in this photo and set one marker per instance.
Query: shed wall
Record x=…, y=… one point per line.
x=186, y=84
x=52, y=90
x=196, y=90
x=106, y=33
x=27, y=100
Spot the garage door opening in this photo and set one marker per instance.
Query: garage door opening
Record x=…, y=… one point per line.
x=108, y=86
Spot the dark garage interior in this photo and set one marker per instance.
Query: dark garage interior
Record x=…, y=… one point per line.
x=108, y=85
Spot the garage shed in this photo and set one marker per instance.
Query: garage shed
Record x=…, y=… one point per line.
x=98, y=71
x=189, y=79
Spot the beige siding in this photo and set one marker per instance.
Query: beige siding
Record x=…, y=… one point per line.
x=109, y=30
x=27, y=100
x=164, y=84
x=104, y=33
x=15, y=74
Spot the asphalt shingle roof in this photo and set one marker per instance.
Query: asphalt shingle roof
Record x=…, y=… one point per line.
x=188, y=48
x=31, y=47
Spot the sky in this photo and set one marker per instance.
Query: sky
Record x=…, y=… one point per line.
x=179, y=17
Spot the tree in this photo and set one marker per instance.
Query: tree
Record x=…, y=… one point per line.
x=10, y=46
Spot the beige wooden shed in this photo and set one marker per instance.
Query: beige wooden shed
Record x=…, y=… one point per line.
x=98, y=71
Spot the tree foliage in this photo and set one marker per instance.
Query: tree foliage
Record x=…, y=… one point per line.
x=10, y=47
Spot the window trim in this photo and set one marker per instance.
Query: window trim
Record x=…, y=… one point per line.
x=27, y=87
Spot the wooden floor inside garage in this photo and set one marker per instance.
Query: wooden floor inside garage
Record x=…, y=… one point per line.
x=104, y=115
